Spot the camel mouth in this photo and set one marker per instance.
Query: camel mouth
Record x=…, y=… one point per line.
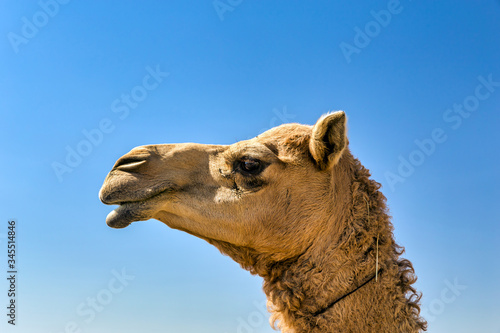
x=132, y=211
x=124, y=189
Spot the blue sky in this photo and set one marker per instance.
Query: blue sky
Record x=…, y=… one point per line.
x=419, y=80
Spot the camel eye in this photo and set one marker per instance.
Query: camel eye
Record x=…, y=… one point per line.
x=250, y=166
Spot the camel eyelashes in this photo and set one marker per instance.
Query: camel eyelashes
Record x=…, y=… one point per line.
x=250, y=166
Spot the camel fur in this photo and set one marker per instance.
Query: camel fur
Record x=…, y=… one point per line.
x=292, y=205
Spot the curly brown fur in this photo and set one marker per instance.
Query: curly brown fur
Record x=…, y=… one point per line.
x=300, y=287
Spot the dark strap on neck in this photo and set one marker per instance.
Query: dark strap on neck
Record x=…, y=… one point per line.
x=349, y=293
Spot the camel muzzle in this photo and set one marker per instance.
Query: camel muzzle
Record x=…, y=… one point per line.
x=136, y=176
x=130, y=183
x=151, y=171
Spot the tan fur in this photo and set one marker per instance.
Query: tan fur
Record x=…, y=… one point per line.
x=308, y=223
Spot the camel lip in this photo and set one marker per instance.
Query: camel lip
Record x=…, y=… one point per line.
x=117, y=220
x=117, y=189
x=112, y=198
x=132, y=211
x=124, y=215
x=121, y=217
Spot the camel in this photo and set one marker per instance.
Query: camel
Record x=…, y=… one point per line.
x=292, y=205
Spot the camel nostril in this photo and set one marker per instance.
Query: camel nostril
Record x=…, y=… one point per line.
x=129, y=163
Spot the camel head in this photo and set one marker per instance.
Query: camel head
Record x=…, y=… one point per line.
x=291, y=205
x=263, y=194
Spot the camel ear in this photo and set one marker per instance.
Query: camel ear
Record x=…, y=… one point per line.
x=328, y=139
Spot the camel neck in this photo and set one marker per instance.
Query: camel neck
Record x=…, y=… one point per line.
x=311, y=296
x=331, y=287
x=354, y=289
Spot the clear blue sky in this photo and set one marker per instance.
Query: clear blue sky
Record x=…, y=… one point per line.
x=407, y=71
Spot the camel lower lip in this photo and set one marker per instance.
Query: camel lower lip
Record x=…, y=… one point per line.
x=131, y=211
x=122, y=216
